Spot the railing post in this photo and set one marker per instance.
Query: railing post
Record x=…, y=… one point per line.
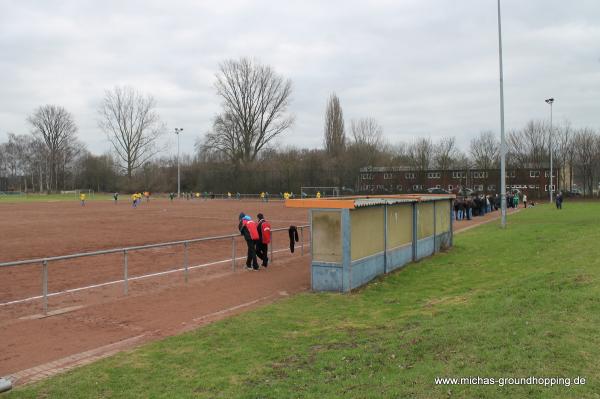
x=45, y=285
x=125, y=265
x=301, y=241
x=185, y=260
x=233, y=253
x=272, y=243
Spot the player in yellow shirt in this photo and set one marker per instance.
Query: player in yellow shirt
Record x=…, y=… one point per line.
x=286, y=195
x=262, y=196
x=318, y=194
x=82, y=199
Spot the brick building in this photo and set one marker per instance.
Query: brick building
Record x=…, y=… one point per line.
x=400, y=179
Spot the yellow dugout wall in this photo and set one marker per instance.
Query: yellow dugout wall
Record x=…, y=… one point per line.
x=442, y=217
x=327, y=236
x=425, y=220
x=399, y=225
x=367, y=226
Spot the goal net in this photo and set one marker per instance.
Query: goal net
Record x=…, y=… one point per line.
x=311, y=192
x=89, y=193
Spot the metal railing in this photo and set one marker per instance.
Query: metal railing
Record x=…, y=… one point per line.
x=126, y=250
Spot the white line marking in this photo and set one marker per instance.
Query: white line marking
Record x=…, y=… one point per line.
x=243, y=305
x=129, y=279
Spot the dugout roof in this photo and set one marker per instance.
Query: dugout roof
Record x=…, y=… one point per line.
x=364, y=201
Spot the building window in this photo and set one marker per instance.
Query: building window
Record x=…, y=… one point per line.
x=547, y=173
x=409, y=176
x=546, y=187
x=459, y=174
x=480, y=175
x=388, y=176
x=534, y=173
x=434, y=175
x=478, y=187
x=399, y=187
x=450, y=187
x=367, y=176
x=491, y=187
x=417, y=187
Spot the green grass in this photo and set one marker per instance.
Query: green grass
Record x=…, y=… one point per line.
x=519, y=302
x=52, y=197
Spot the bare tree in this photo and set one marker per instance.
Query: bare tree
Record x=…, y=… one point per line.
x=335, y=137
x=420, y=154
x=564, y=152
x=529, y=146
x=367, y=132
x=132, y=125
x=485, y=150
x=255, y=102
x=445, y=153
x=586, y=146
x=56, y=126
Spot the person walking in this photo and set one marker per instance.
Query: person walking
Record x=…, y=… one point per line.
x=264, y=239
x=559, y=200
x=249, y=229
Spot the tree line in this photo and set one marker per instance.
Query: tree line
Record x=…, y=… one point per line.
x=239, y=153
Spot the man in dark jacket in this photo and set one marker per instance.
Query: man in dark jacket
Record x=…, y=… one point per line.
x=264, y=237
x=249, y=229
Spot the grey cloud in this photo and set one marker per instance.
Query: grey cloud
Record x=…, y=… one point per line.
x=419, y=67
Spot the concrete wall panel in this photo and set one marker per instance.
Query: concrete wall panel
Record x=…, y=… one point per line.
x=326, y=236
x=367, y=226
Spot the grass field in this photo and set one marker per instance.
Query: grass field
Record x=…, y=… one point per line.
x=515, y=303
x=56, y=197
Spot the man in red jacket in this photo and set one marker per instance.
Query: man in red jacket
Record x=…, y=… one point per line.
x=249, y=229
x=264, y=238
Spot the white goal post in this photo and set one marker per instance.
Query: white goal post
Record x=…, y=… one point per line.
x=88, y=192
x=325, y=191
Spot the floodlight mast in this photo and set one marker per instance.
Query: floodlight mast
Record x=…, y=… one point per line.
x=550, y=101
x=177, y=131
x=502, y=138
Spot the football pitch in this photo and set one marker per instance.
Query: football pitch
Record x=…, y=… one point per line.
x=511, y=303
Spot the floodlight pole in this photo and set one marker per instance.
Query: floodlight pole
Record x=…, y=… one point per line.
x=177, y=131
x=502, y=139
x=550, y=101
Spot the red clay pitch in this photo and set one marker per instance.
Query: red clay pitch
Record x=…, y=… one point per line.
x=154, y=307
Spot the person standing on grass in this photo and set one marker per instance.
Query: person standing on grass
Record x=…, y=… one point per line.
x=249, y=229
x=524, y=200
x=516, y=200
x=559, y=200
x=264, y=239
x=82, y=199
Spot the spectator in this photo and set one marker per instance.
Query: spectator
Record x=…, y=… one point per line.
x=264, y=239
x=249, y=229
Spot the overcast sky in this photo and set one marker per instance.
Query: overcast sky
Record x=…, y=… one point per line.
x=420, y=67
